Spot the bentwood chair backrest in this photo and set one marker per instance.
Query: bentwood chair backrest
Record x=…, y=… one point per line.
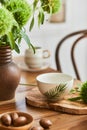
x=80, y=35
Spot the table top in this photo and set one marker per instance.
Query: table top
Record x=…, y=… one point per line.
x=61, y=121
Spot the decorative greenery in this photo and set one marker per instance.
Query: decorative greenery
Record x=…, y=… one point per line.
x=82, y=93
x=21, y=11
x=50, y=5
x=5, y=21
x=76, y=89
x=56, y=92
x=14, y=14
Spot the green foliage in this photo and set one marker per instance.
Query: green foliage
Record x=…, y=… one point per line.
x=51, y=5
x=6, y=23
x=82, y=93
x=14, y=14
x=31, y=24
x=56, y=92
x=21, y=11
x=3, y=1
x=40, y=18
x=42, y=7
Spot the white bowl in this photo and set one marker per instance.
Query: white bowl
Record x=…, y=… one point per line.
x=54, y=86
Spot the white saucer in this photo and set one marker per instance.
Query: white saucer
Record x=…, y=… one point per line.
x=23, y=66
x=20, y=62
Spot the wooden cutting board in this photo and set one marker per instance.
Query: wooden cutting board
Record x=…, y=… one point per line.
x=36, y=99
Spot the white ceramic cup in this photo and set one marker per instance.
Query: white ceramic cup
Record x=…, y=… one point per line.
x=55, y=86
x=35, y=60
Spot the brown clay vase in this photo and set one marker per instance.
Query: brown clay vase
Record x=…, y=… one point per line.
x=9, y=74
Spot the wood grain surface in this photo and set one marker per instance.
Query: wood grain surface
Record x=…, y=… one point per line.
x=36, y=99
x=60, y=120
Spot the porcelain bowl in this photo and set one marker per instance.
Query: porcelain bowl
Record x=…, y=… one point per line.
x=55, y=86
x=27, y=126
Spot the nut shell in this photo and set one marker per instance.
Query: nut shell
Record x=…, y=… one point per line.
x=24, y=123
x=6, y=119
x=14, y=116
x=20, y=121
x=45, y=123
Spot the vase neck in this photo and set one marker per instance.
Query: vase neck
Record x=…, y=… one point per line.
x=5, y=55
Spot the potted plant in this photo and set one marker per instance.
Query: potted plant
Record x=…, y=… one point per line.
x=14, y=14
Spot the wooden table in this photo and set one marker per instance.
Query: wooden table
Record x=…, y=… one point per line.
x=61, y=121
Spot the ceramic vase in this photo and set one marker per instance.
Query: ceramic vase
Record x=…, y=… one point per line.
x=9, y=74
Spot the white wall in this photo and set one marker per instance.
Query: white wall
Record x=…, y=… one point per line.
x=49, y=34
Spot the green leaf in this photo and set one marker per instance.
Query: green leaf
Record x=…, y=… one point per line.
x=50, y=9
x=11, y=40
x=26, y=38
x=19, y=40
x=42, y=18
x=39, y=18
x=74, y=99
x=17, y=48
x=35, y=4
x=55, y=93
x=31, y=24
x=32, y=47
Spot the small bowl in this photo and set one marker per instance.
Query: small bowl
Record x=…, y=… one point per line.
x=23, y=127
x=55, y=86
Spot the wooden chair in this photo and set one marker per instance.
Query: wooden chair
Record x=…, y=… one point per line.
x=81, y=34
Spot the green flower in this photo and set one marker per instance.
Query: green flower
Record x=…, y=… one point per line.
x=6, y=23
x=14, y=14
x=21, y=11
x=51, y=5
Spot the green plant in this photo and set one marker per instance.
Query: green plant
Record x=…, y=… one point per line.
x=56, y=92
x=82, y=93
x=14, y=14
